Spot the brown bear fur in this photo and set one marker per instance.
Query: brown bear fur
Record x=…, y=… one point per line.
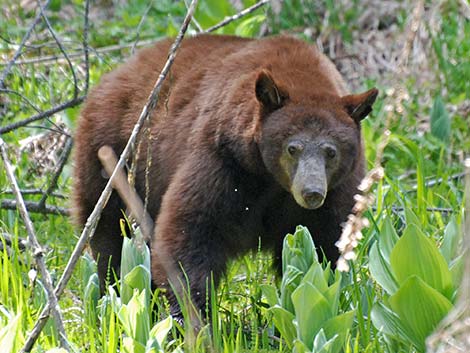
x=243, y=129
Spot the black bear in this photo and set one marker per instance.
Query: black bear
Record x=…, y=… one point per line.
x=249, y=139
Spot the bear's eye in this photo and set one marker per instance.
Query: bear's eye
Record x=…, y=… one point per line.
x=330, y=152
x=294, y=148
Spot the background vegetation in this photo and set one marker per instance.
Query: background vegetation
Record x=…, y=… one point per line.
x=407, y=271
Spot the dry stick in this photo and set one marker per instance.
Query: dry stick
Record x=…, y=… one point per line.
x=94, y=217
x=61, y=48
x=42, y=115
x=35, y=192
x=453, y=333
x=10, y=91
x=32, y=206
x=86, y=49
x=20, y=47
x=38, y=252
x=79, y=53
x=62, y=160
x=127, y=192
x=245, y=12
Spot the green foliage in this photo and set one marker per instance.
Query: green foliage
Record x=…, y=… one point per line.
x=306, y=312
x=440, y=122
x=418, y=281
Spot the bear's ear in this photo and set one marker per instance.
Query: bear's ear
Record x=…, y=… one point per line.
x=359, y=105
x=267, y=92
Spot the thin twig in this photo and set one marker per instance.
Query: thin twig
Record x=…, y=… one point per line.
x=45, y=114
x=36, y=248
x=35, y=192
x=94, y=217
x=35, y=207
x=62, y=50
x=17, y=54
x=139, y=26
x=86, y=27
x=79, y=53
x=10, y=91
x=60, y=166
x=235, y=17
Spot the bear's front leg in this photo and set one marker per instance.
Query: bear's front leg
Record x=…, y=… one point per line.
x=189, y=241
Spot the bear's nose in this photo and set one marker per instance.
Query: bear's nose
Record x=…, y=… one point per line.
x=313, y=197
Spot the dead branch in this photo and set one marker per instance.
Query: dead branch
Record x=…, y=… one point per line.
x=32, y=206
x=45, y=114
x=36, y=248
x=235, y=17
x=94, y=217
x=79, y=53
x=127, y=192
x=60, y=166
x=86, y=27
x=61, y=48
x=17, y=54
x=34, y=192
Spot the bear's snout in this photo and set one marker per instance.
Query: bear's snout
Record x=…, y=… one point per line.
x=313, y=197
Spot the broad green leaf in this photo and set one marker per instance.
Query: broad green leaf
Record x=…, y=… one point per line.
x=419, y=307
x=135, y=318
x=411, y=217
x=316, y=277
x=381, y=271
x=322, y=345
x=415, y=254
x=299, y=250
x=456, y=269
x=129, y=345
x=338, y=326
x=451, y=240
x=311, y=311
x=440, y=121
x=388, y=322
x=283, y=320
x=290, y=281
x=138, y=278
x=270, y=292
x=388, y=239
x=332, y=297
x=300, y=347
x=160, y=330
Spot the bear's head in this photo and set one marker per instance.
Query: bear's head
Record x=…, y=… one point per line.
x=310, y=146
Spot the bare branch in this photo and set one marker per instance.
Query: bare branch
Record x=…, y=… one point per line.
x=139, y=26
x=35, y=207
x=45, y=114
x=62, y=50
x=127, y=192
x=34, y=192
x=86, y=27
x=235, y=17
x=60, y=166
x=17, y=54
x=10, y=91
x=94, y=217
x=79, y=53
x=36, y=248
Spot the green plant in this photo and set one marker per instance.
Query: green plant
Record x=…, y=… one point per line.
x=417, y=279
x=306, y=312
